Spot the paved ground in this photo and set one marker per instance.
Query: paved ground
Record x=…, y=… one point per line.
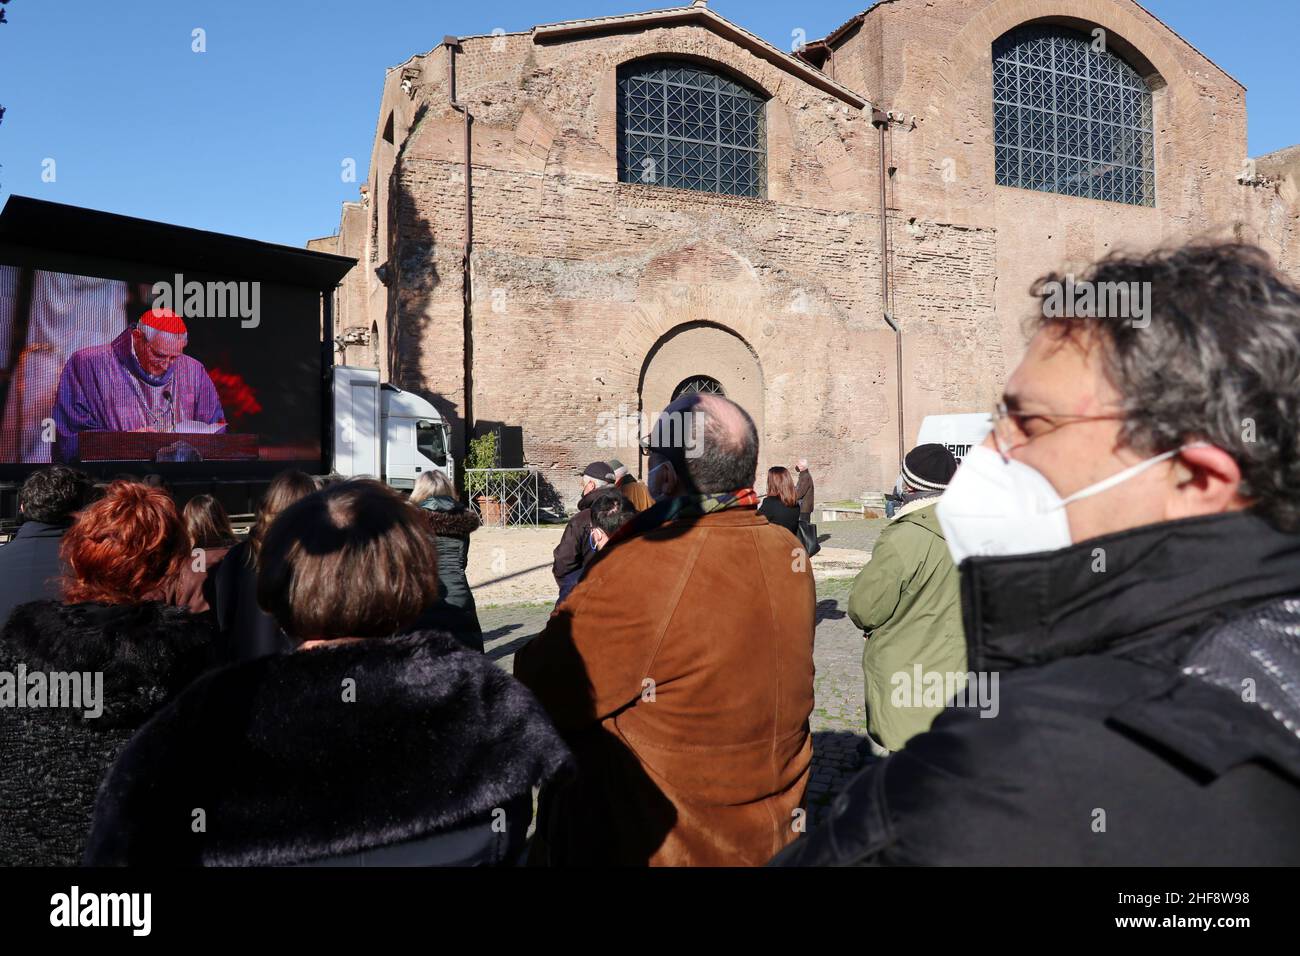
x=859, y=535
x=838, y=712
x=513, y=565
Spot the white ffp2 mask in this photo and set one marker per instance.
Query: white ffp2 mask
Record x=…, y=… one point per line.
x=995, y=507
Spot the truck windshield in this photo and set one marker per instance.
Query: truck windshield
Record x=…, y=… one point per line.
x=431, y=441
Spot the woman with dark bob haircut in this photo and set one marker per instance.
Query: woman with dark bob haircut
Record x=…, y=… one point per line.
x=364, y=746
x=120, y=653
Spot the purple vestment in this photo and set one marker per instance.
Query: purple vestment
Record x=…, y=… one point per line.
x=103, y=388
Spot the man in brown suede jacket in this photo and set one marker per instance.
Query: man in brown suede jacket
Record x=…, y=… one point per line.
x=680, y=669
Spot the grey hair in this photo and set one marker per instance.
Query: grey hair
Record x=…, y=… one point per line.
x=432, y=484
x=1216, y=359
x=150, y=334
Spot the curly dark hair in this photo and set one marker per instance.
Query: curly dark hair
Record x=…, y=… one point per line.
x=1215, y=357
x=53, y=495
x=610, y=510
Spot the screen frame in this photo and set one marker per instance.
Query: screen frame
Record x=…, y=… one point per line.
x=130, y=270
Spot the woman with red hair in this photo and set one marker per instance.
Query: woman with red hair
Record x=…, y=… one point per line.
x=96, y=666
x=124, y=547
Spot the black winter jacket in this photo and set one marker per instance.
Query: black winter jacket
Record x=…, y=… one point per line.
x=30, y=568
x=247, y=632
x=406, y=750
x=53, y=759
x=1146, y=714
x=779, y=513
x=452, y=524
x=574, y=550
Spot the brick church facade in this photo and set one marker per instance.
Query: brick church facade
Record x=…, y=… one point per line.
x=664, y=201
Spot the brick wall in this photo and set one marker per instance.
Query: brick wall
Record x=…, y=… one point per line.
x=585, y=289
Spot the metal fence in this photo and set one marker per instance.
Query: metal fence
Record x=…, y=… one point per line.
x=503, y=497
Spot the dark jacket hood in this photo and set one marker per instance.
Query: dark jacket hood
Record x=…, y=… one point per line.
x=458, y=520
x=325, y=752
x=1123, y=591
x=147, y=652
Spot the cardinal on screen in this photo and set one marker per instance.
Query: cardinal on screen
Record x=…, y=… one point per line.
x=141, y=381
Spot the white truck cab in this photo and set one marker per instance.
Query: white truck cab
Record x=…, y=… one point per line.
x=387, y=433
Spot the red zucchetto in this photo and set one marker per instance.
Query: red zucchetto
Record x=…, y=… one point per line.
x=164, y=320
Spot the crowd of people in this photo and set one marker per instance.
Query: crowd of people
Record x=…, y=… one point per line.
x=1108, y=590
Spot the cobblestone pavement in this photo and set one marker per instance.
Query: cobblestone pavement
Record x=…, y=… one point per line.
x=859, y=534
x=838, y=716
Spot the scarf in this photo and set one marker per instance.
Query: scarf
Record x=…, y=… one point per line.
x=124, y=350
x=686, y=506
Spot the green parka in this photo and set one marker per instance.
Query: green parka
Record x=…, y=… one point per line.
x=908, y=601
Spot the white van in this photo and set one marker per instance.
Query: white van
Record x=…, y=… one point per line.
x=958, y=433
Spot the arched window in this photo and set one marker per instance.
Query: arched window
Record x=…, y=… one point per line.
x=1071, y=117
x=698, y=385
x=683, y=125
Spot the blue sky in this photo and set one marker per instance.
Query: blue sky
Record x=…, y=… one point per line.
x=248, y=137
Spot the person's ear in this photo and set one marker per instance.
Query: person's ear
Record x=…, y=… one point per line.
x=1205, y=481
x=669, y=481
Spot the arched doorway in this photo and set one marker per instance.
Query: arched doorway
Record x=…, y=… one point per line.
x=703, y=358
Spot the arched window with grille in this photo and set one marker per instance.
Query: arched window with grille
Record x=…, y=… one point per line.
x=698, y=385
x=1071, y=117
x=683, y=125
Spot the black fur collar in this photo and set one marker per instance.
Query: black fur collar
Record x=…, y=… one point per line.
x=462, y=521
x=323, y=753
x=147, y=652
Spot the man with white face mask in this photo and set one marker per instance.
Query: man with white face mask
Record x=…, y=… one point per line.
x=1128, y=542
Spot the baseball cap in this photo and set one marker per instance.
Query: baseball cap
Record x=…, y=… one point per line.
x=599, y=470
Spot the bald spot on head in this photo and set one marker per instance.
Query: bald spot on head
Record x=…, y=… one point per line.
x=725, y=452
x=725, y=424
